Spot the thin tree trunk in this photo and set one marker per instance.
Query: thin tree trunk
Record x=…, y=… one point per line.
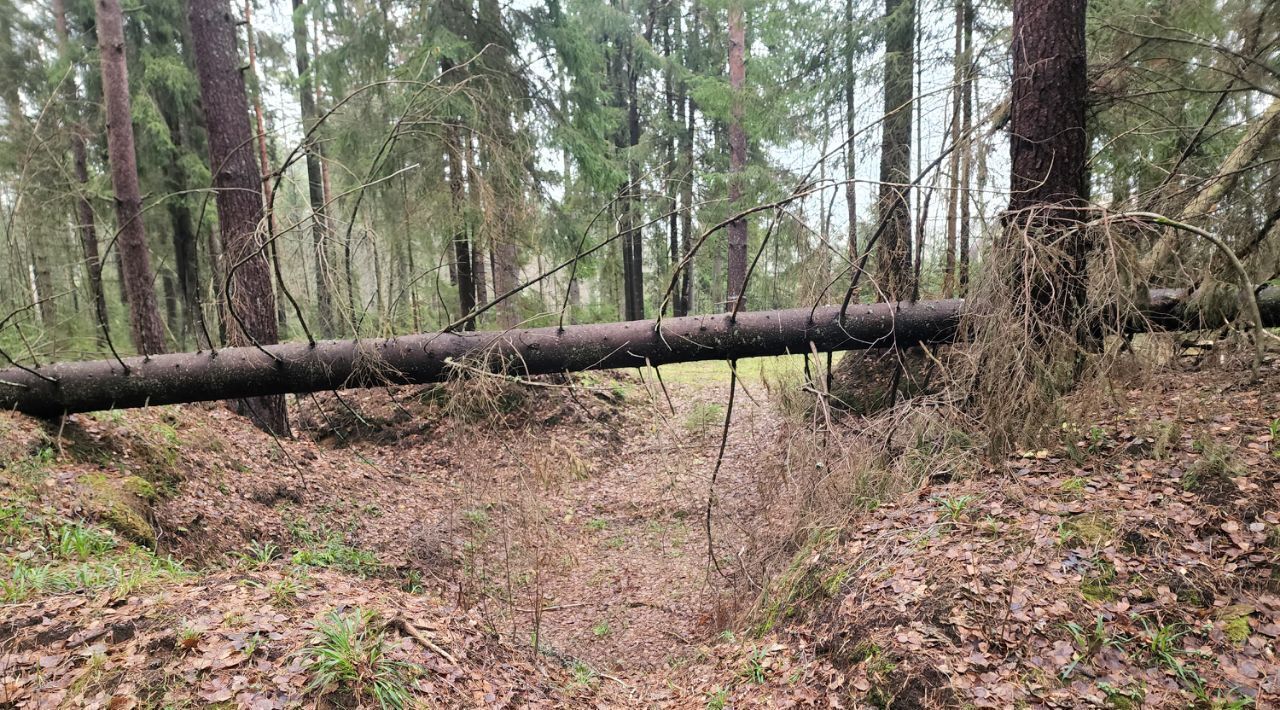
x=250, y=308
x=953, y=160
x=264, y=162
x=693, y=54
x=735, y=294
x=851, y=132
x=321, y=235
x=966, y=157
x=84, y=217
x=131, y=242
x=894, y=250
x=461, y=241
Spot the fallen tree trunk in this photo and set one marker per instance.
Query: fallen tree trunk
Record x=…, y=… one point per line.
x=232, y=373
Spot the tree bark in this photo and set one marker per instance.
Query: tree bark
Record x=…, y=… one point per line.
x=953, y=160
x=461, y=241
x=337, y=364
x=144, y=314
x=1047, y=146
x=850, y=145
x=84, y=217
x=893, y=265
x=320, y=233
x=966, y=159
x=735, y=296
x=250, y=303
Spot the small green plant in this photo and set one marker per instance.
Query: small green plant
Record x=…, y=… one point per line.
x=703, y=416
x=412, y=582
x=188, y=638
x=601, y=629
x=1075, y=486
x=718, y=700
x=1274, y=426
x=1160, y=643
x=953, y=509
x=753, y=670
x=584, y=676
x=477, y=518
x=349, y=652
x=76, y=542
x=1123, y=698
x=333, y=552
x=259, y=554
x=284, y=592
x=1089, y=642
x=596, y=524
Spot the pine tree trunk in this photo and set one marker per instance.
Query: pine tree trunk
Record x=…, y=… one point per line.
x=893, y=266
x=633, y=256
x=131, y=242
x=735, y=296
x=953, y=160
x=84, y=218
x=693, y=52
x=1048, y=146
x=250, y=304
x=966, y=159
x=851, y=132
x=461, y=242
x=320, y=232
x=264, y=163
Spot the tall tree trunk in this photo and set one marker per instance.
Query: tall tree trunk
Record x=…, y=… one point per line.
x=735, y=296
x=185, y=252
x=953, y=160
x=632, y=241
x=475, y=194
x=320, y=232
x=80, y=169
x=264, y=162
x=670, y=34
x=1047, y=146
x=693, y=53
x=144, y=314
x=250, y=311
x=966, y=158
x=894, y=250
x=851, y=132
x=461, y=241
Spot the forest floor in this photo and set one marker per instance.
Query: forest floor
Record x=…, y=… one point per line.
x=420, y=543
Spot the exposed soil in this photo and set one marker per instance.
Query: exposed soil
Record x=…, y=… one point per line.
x=1135, y=559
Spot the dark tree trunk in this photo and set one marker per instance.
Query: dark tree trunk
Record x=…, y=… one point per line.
x=1047, y=145
x=320, y=232
x=632, y=242
x=333, y=364
x=693, y=52
x=461, y=242
x=185, y=253
x=894, y=270
x=80, y=169
x=250, y=303
x=735, y=295
x=131, y=242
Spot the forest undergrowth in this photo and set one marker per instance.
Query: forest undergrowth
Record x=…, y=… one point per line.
x=497, y=543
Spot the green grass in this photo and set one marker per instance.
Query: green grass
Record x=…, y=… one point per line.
x=752, y=371
x=349, y=654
